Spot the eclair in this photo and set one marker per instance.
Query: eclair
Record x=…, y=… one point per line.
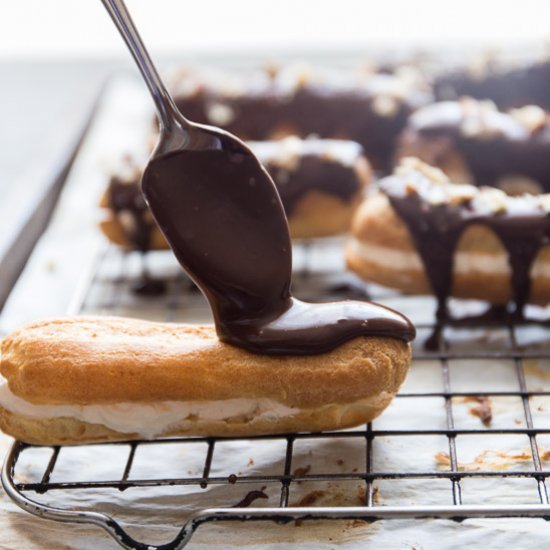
x=82, y=380
x=366, y=105
x=523, y=82
x=320, y=182
x=474, y=142
x=422, y=234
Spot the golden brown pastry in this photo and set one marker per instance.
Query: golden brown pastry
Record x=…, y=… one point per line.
x=78, y=380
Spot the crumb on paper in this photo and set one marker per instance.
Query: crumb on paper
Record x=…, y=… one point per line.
x=358, y=523
x=483, y=411
x=309, y=499
x=517, y=421
x=489, y=460
x=362, y=494
x=532, y=367
x=299, y=472
x=51, y=266
x=250, y=462
x=442, y=458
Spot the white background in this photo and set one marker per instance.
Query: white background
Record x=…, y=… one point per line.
x=77, y=28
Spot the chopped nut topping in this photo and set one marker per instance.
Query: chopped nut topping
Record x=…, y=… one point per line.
x=409, y=165
x=385, y=106
x=220, y=114
x=532, y=117
x=492, y=200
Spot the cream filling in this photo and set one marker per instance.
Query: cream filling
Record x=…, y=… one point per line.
x=150, y=419
x=465, y=262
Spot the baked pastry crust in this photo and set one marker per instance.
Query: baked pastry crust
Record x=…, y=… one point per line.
x=92, y=360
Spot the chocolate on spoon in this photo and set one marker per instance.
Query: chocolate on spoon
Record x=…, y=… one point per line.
x=222, y=216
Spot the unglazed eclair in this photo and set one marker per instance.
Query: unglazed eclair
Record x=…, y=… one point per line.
x=81, y=380
x=422, y=234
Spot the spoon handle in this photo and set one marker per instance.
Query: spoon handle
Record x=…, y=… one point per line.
x=166, y=109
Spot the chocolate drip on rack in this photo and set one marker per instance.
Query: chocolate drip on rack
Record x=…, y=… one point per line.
x=250, y=497
x=224, y=220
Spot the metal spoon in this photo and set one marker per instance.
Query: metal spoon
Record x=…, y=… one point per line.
x=216, y=205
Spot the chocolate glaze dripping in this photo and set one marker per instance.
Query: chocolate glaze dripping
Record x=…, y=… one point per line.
x=223, y=218
x=436, y=230
x=124, y=198
x=313, y=174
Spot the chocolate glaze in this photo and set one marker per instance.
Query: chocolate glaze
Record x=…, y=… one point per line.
x=493, y=144
x=250, y=497
x=523, y=227
x=371, y=110
x=349, y=116
x=495, y=315
x=124, y=196
x=328, y=177
x=301, y=166
x=507, y=87
x=223, y=218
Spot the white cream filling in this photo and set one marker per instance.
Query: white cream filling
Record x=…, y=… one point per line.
x=149, y=419
x=465, y=262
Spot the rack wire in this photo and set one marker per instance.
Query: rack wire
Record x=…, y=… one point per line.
x=504, y=346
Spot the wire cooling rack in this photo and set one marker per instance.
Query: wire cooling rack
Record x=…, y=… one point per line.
x=490, y=380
